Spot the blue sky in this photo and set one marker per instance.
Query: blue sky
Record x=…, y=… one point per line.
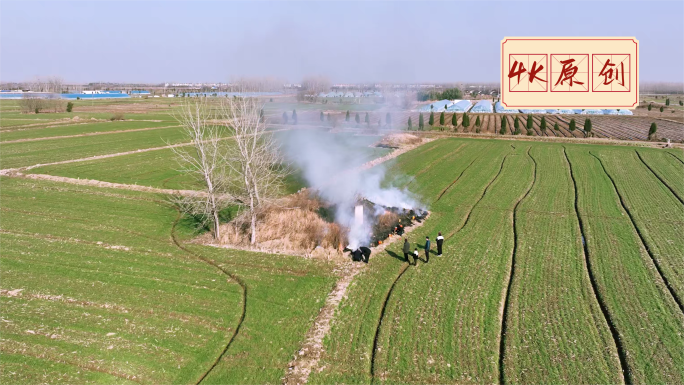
x=175, y=41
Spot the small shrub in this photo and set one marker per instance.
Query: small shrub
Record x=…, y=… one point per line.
x=69, y=107
x=516, y=124
x=346, y=118
x=573, y=125
x=530, y=132
x=542, y=125
x=661, y=108
x=530, y=122
x=421, y=123
x=117, y=116
x=556, y=127
x=478, y=123
x=650, y=106
x=441, y=119
x=454, y=120
x=410, y=124
x=503, y=125
x=431, y=120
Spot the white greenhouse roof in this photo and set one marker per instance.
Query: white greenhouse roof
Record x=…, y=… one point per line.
x=625, y=112
x=436, y=106
x=533, y=111
x=592, y=112
x=566, y=112
x=498, y=107
x=483, y=106
x=610, y=112
x=460, y=106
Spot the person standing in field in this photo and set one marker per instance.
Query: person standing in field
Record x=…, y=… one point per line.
x=427, y=249
x=407, y=250
x=440, y=242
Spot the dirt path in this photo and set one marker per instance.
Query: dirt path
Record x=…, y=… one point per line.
x=18, y=170
x=308, y=356
x=84, y=134
x=98, y=183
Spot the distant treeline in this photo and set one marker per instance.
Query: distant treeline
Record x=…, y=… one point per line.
x=451, y=94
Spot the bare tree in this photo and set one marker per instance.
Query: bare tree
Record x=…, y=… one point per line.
x=205, y=160
x=313, y=85
x=256, y=166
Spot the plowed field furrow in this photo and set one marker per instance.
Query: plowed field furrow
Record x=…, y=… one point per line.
x=537, y=123
x=454, y=336
x=659, y=225
x=555, y=331
x=650, y=327
x=564, y=122
x=665, y=168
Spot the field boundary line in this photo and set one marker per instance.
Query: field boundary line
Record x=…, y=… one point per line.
x=98, y=183
x=460, y=175
x=676, y=157
x=641, y=238
x=511, y=275
x=230, y=275
x=403, y=269
x=659, y=178
x=622, y=356
x=429, y=165
x=480, y=199
x=8, y=171
x=84, y=134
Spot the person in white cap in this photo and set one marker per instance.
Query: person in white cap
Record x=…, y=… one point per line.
x=440, y=242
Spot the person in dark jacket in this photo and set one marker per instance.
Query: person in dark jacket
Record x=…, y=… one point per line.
x=407, y=251
x=427, y=249
x=440, y=242
x=357, y=256
x=366, y=253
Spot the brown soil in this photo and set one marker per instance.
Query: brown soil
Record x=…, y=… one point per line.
x=399, y=140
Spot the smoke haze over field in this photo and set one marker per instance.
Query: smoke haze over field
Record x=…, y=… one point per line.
x=177, y=41
x=323, y=158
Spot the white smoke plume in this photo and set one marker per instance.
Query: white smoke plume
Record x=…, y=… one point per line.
x=325, y=160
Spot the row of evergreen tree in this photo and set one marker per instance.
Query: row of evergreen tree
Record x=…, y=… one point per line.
x=465, y=122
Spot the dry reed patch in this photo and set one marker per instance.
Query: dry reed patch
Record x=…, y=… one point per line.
x=292, y=226
x=399, y=140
